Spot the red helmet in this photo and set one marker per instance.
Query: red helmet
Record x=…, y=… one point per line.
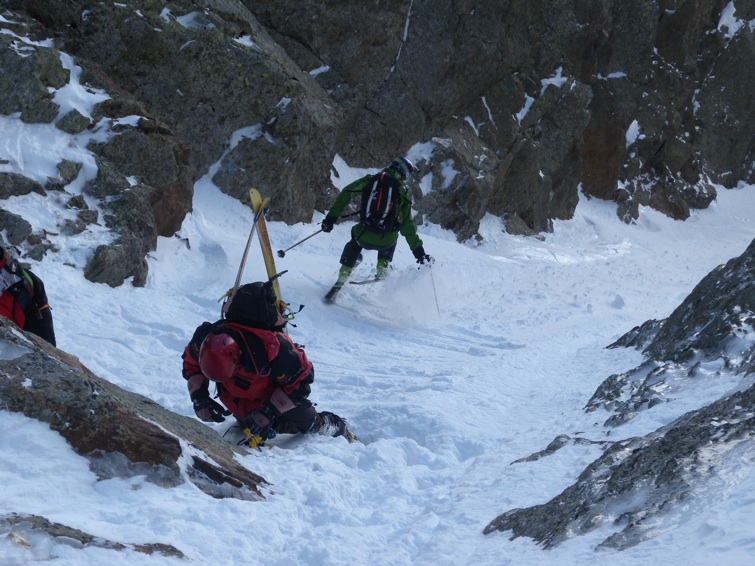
x=219, y=357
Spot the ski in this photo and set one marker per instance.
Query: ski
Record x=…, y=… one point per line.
x=258, y=206
x=333, y=293
x=331, y=296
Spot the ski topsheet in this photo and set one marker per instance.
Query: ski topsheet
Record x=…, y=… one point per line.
x=258, y=206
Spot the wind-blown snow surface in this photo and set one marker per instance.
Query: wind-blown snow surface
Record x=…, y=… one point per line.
x=443, y=401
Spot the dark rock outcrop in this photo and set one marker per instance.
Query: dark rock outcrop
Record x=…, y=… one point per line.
x=646, y=478
x=710, y=324
x=121, y=433
x=138, y=147
x=517, y=104
x=710, y=336
x=22, y=529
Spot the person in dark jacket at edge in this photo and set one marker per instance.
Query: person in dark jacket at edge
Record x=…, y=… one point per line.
x=23, y=299
x=261, y=376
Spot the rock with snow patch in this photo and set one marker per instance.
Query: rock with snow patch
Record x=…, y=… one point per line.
x=121, y=433
x=140, y=148
x=640, y=484
x=24, y=530
x=709, y=333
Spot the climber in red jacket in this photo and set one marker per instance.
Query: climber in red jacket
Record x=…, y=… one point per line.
x=261, y=376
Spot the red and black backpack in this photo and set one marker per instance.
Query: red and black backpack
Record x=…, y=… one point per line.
x=380, y=202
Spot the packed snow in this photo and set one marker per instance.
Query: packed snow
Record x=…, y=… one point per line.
x=447, y=375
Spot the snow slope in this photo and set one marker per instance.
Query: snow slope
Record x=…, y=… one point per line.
x=445, y=395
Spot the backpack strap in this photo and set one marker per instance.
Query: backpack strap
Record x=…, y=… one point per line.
x=38, y=313
x=29, y=281
x=38, y=293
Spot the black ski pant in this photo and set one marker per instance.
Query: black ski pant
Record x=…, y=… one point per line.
x=298, y=419
x=353, y=249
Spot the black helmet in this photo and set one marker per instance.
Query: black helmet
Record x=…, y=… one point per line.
x=403, y=166
x=254, y=304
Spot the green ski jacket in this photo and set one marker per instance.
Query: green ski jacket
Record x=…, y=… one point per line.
x=404, y=214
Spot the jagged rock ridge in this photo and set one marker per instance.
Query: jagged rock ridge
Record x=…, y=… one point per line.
x=523, y=103
x=638, y=484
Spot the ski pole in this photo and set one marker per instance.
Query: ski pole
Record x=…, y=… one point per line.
x=432, y=280
x=282, y=253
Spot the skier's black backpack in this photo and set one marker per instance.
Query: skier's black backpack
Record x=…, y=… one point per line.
x=380, y=201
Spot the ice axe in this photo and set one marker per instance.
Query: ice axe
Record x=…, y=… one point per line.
x=282, y=253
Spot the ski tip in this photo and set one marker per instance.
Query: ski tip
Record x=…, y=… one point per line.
x=331, y=296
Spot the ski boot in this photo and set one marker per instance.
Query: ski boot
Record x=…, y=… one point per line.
x=330, y=424
x=383, y=267
x=343, y=275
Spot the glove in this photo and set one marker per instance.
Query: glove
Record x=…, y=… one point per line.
x=259, y=423
x=422, y=257
x=209, y=410
x=327, y=223
x=256, y=442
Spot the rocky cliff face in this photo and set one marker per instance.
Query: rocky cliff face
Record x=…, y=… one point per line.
x=523, y=103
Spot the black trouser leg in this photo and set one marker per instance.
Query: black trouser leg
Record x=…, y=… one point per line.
x=387, y=254
x=298, y=419
x=350, y=253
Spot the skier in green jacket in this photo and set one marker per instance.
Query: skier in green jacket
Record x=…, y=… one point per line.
x=386, y=210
